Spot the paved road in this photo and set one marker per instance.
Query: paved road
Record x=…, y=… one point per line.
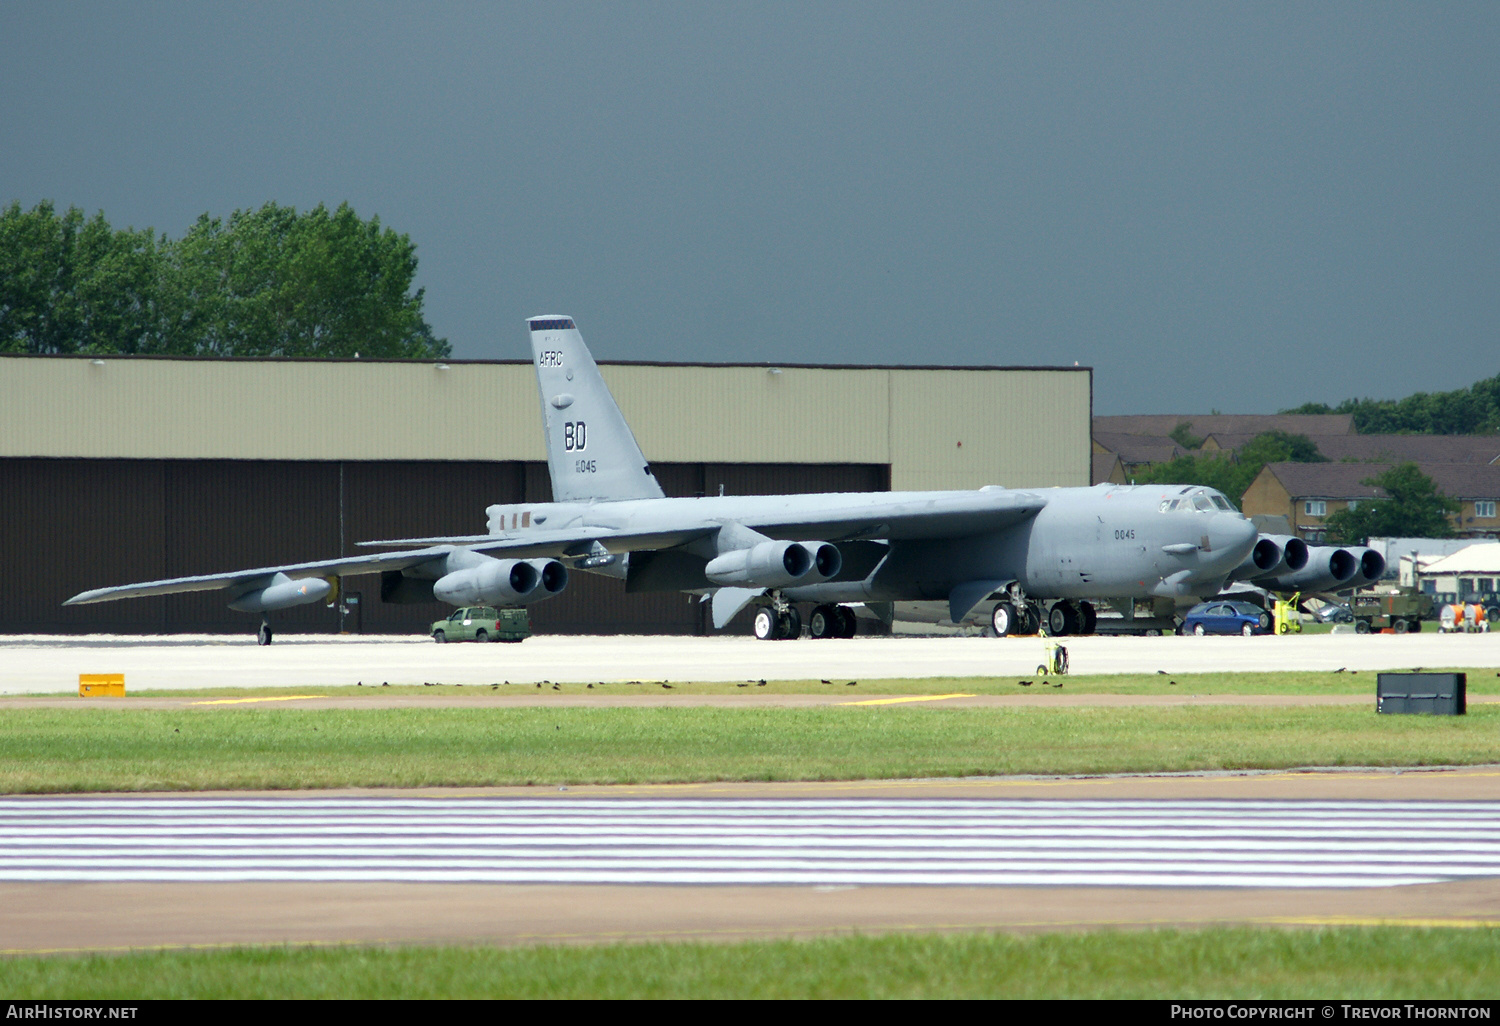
x=36, y=664
x=827, y=842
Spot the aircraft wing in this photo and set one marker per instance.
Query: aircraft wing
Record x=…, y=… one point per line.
x=912, y=516
x=575, y=541
x=351, y=567
x=834, y=518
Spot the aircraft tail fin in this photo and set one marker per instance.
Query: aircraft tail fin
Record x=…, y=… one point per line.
x=591, y=453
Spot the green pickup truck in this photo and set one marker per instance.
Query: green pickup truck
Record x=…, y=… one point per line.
x=483, y=623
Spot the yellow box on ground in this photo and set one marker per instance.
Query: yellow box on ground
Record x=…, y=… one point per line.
x=101, y=685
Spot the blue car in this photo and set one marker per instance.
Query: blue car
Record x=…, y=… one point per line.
x=1223, y=617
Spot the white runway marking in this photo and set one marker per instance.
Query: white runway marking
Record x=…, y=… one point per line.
x=788, y=842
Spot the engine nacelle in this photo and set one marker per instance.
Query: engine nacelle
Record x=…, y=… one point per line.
x=1327, y=569
x=1264, y=558
x=495, y=582
x=281, y=593
x=552, y=575
x=1371, y=567
x=776, y=564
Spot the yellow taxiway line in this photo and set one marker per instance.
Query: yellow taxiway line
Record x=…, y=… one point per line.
x=909, y=698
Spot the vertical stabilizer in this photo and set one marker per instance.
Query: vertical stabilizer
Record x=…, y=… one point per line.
x=591, y=453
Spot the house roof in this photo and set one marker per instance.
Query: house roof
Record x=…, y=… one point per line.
x=1103, y=469
x=1344, y=480
x=1139, y=448
x=1481, y=558
x=1204, y=424
x=1389, y=448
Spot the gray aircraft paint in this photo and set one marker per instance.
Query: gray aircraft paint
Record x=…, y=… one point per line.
x=961, y=547
x=591, y=452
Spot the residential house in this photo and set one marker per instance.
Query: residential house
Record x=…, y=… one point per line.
x=1308, y=493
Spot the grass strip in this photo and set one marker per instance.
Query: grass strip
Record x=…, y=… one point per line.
x=255, y=747
x=1244, y=963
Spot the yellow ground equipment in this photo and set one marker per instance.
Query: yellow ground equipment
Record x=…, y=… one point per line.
x=1055, y=654
x=97, y=685
x=1288, y=620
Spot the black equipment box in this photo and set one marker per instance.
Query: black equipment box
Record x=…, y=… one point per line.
x=1439, y=694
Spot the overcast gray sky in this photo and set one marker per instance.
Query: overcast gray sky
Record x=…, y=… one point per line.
x=1232, y=206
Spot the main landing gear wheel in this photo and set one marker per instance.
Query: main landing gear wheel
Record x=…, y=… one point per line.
x=765, y=623
x=1003, y=619
x=263, y=636
x=1088, y=617
x=789, y=625
x=1028, y=622
x=848, y=622
x=1063, y=619
x=823, y=623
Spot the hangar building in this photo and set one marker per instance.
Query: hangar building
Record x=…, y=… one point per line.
x=121, y=469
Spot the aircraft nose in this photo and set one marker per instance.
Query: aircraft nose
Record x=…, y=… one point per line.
x=1232, y=535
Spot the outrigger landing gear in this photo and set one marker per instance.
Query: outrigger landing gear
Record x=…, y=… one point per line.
x=263, y=636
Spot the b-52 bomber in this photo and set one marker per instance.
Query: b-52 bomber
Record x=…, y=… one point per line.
x=1043, y=556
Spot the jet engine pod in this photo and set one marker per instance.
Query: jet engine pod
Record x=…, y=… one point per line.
x=495, y=582
x=775, y=564
x=553, y=576
x=1294, y=553
x=1265, y=557
x=1371, y=567
x=1327, y=568
x=281, y=593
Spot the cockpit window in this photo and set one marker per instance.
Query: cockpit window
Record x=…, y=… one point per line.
x=1205, y=500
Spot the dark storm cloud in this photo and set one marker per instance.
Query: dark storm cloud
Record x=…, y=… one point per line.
x=1231, y=206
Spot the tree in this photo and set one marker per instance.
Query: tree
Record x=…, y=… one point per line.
x=1413, y=508
x=70, y=285
x=267, y=282
x=1472, y=410
x=1183, y=435
x=271, y=282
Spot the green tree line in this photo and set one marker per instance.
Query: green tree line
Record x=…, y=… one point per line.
x=1465, y=411
x=266, y=282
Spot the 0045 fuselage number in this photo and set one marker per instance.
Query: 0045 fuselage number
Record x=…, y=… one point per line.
x=1125, y=534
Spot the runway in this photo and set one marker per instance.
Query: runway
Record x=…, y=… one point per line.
x=41, y=664
x=808, y=842
x=125, y=872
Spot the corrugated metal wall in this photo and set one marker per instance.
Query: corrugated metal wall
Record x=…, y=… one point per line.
x=72, y=525
x=1025, y=428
